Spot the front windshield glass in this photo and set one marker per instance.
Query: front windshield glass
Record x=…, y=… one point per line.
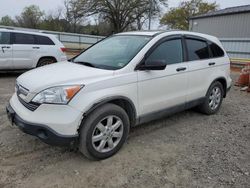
x=112, y=53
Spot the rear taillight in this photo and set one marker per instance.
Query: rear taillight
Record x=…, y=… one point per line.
x=63, y=49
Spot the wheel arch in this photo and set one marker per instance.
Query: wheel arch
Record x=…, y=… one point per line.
x=223, y=81
x=46, y=57
x=124, y=102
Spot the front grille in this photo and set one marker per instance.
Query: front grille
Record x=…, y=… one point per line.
x=31, y=105
x=21, y=90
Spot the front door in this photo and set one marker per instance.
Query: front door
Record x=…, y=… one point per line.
x=5, y=51
x=163, y=89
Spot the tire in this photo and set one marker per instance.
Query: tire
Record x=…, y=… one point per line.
x=212, y=101
x=95, y=132
x=45, y=61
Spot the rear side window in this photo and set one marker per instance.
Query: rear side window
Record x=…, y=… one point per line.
x=169, y=52
x=216, y=50
x=197, y=49
x=22, y=38
x=4, y=38
x=43, y=40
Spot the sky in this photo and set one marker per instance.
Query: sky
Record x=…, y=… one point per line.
x=15, y=7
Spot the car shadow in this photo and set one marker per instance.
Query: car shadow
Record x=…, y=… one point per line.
x=10, y=74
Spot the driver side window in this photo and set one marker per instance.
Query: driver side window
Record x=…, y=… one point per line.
x=168, y=52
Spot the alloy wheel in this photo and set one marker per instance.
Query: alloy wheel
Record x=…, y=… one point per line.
x=215, y=98
x=107, y=134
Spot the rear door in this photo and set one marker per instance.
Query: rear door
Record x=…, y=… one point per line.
x=24, y=50
x=200, y=67
x=44, y=46
x=5, y=51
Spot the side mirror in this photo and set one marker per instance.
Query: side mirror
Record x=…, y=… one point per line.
x=152, y=65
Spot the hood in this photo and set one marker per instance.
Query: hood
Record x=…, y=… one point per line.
x=63, y=73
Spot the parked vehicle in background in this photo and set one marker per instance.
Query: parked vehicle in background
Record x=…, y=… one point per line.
x=26, y=50
x=122, y=81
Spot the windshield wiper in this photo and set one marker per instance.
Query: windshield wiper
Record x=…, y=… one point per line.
x=85, y=63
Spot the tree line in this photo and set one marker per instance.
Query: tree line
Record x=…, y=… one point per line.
x=104, y=17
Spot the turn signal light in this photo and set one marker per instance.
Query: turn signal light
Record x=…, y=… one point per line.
x=72, y=91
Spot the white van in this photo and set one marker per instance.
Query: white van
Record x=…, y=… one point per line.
x=125, y=80
x=27, y=50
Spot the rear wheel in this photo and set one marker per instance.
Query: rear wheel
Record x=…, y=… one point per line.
x=45, y=61
x=104, y=132
x=213, y=99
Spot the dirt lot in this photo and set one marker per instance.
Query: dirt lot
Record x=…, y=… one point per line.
x=185, y=150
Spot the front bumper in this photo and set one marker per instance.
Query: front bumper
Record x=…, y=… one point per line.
x=62, y=119
x=43, y=132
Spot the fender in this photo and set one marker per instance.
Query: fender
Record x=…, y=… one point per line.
x=107, y=100
x=223, y=84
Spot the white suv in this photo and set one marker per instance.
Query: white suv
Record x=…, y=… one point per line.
x=26, y=50
x=124, y=80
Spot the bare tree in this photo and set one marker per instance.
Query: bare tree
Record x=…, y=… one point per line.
x=121, y=14
x=76, y=11
x=54, y=21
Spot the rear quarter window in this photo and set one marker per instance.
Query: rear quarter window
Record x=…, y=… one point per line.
x=197, y=49
x=43, y=40
x=216, y=50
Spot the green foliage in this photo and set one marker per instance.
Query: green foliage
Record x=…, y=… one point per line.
x=31, y=17
x=6, y=20
x=54, y=24
x=178, y=18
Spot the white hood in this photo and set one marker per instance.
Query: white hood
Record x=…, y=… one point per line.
x=64, y=73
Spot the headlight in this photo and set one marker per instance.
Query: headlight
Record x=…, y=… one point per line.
x=57, y=95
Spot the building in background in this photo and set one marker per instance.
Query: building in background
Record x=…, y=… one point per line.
x=231, y=26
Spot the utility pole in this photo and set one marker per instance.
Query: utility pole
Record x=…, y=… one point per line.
x=150, y=14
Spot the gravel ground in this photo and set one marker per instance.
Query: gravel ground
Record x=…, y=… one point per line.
x=185, y=150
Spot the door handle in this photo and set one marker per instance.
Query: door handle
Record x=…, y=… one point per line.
x=36, y=47
x=181, y=69
x=4, y=47
x=211, y=63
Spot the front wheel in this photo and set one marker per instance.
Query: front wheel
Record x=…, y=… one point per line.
x=213, y=99
x=104, y=132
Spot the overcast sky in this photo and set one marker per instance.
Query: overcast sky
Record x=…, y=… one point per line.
x=15, y=7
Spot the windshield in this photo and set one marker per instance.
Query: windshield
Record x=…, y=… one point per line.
x=112, y=53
